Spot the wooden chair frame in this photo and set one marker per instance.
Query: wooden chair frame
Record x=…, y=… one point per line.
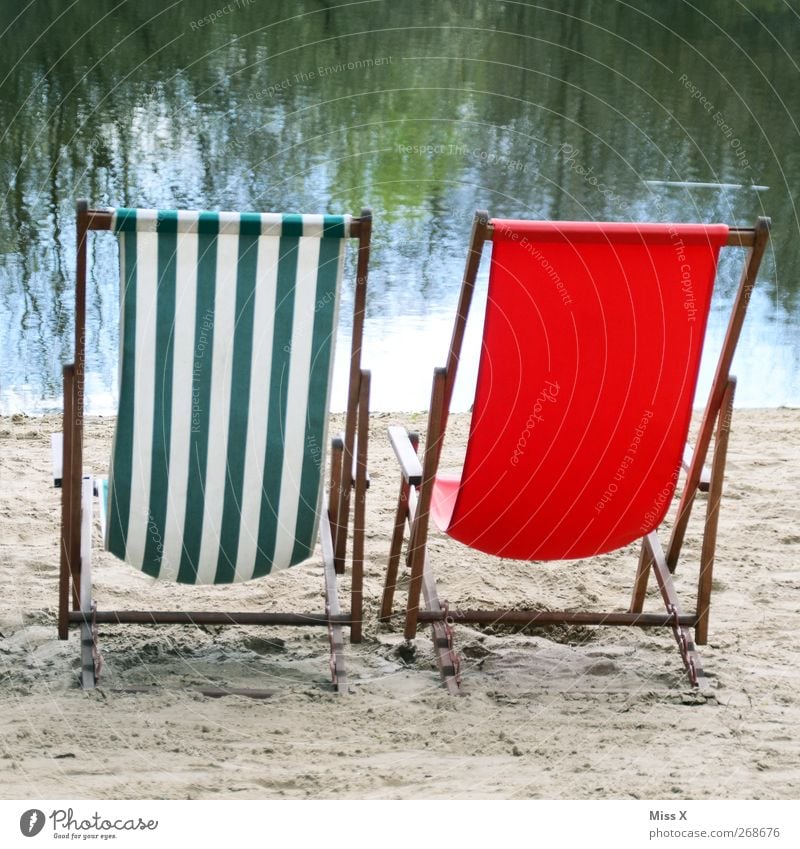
x=417, y=480
x=348, y=473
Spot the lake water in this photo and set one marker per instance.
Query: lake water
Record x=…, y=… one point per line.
x=423, y=111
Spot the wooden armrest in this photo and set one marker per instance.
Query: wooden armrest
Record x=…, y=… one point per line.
x=705, y=473
x=406, y=455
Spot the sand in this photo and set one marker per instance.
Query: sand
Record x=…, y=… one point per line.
x=571, y=714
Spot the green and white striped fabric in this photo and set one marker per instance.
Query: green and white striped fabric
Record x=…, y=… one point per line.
x=226, y=353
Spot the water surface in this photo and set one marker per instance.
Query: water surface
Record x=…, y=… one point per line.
x=566, y=110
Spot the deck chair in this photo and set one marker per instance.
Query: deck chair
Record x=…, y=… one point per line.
x=226, y=352
x=589, y=362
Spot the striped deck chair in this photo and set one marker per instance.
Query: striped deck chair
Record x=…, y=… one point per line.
x=591, y=349
x=217, y=474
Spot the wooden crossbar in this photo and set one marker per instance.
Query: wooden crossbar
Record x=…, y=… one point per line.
x=555, y=617
x=205, y=617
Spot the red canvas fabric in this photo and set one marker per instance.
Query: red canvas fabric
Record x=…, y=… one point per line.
x=591, y=351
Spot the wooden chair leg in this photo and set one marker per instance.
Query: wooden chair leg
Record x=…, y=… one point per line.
x=90, y=655
x=416, y=564
x=359, y=517
x=712, y=513
x=683, y=637
x=640, y=582
x=335, y=637
x=342, y=510
x=66, y=509
x=418, y=542
x=395, y=549
x=401, y=516
x=334, y=499
x=442, y=633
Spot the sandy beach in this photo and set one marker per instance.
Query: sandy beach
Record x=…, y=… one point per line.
x=569, y=714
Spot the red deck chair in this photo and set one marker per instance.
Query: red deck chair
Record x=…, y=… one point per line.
x=591, y=350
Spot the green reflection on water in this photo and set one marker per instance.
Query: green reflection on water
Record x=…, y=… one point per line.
x=422, y=111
